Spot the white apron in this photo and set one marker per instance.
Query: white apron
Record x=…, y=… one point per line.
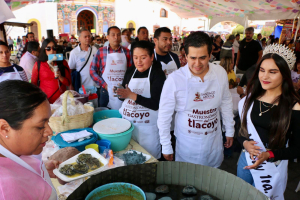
x=10, y=76
x=115, y=68
x=44, y=173
x=144, y=119
x=197, y=128
x=168, y=69
x=268, y=178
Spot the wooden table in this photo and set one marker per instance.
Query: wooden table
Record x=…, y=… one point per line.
x=132, y=145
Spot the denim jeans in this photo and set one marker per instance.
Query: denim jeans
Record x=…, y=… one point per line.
x=242, y=173
x=103, y=97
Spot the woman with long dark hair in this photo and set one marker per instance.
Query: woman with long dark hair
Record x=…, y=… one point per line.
x=24, y=131
x=270, y=115
x=217, y=45
x=52, y=82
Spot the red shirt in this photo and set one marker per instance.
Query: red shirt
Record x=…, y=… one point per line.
x=48, y=83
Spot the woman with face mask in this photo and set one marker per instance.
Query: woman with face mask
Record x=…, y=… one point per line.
x=270, y=116
x=24, y=131
x=143, y=84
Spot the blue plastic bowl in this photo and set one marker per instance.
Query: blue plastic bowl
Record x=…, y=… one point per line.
x=118, y=188
x=118, y=141
x=59, y=141
x=105, y=114
x=103, y=144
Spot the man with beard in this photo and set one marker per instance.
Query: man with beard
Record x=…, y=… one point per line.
x=250, y=52
x=162, y=52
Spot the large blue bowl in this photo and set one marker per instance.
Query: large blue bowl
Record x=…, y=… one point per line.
x=117, y=188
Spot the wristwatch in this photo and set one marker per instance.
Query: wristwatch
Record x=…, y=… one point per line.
x=272, y=157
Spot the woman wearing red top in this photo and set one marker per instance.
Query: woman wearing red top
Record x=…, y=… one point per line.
x=45, y=76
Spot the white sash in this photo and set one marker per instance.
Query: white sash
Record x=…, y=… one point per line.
x=268, y=178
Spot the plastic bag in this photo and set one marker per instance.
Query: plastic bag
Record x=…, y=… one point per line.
x=75, y=108
x=48, y=150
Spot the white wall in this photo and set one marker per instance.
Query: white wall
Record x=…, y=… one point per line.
x=143, y=13
x=45, y=13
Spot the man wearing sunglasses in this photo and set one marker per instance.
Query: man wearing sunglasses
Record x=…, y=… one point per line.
x=98, y=43
x=23, y=48
x=81, y=58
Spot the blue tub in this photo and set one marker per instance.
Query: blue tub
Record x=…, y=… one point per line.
x=105, y=114
x=59, y=141
x=117, y=188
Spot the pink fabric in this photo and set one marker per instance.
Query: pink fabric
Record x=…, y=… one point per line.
x=18, y=183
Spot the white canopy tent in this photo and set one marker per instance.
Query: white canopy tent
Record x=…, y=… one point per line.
x=5, y=12
x=239, y=11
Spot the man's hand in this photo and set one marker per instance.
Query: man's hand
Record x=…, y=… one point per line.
x=229, y=142
x=105, y=87
x=168, y=157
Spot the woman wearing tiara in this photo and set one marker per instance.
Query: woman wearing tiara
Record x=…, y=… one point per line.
x=270, y=131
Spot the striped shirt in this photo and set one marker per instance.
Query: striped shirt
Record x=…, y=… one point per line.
x=98, y=64
x=11, y=69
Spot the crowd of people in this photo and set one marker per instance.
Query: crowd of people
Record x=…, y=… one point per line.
x=180, y=105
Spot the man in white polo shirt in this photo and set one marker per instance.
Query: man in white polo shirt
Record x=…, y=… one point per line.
x=198, y=92
x=79, y=56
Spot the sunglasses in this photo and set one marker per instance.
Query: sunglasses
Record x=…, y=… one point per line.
x=98, y=39
x=49, y=48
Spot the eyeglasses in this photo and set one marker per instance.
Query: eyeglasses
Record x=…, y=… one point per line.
x=98, y=39
x=49, y=48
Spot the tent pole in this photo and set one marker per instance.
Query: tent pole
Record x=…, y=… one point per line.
x=297, y=16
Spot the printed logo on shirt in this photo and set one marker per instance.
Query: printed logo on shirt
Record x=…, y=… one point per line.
x=204, y=96
x=120, y=62
x=82, y=59
x=198, y=97
x=113, y=62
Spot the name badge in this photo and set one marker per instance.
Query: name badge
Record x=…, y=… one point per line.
x=82, y=59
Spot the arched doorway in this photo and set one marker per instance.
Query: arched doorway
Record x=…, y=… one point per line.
x=85, y=19
x=34, y=29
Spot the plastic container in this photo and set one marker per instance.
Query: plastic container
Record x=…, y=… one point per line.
x=93, y=146
x=105, y=114
x=118, y=141
x=103, y=144
x=100, y=109
x=118, y=188
x=88, y=89
x=78, y=145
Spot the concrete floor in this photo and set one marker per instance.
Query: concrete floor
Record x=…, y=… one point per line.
x=230, y=165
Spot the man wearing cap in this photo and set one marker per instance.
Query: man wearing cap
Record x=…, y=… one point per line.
x=227, y=49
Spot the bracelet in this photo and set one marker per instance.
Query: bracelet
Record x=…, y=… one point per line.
x=271, y=154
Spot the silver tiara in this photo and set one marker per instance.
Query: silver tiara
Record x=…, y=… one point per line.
x=284, y=52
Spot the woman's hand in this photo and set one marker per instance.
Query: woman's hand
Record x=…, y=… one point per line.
x=168, y=157
x=126, y=93
x=50, y=166
x=251, y=148
x=57, y=74
x=259, y=159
